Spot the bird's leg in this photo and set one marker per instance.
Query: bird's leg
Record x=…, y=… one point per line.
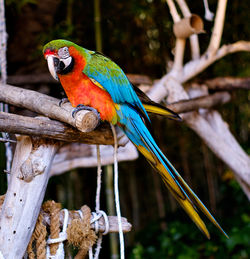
x=80, y=107
x=63, y=101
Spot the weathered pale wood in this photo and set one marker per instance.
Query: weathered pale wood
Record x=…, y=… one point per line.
x=32, y=161
x=219, y=139
x=48, y=106
x=205, y=102
x=52, y=129
x=77, y=155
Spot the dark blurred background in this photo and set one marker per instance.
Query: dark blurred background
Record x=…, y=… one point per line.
x=137, y=34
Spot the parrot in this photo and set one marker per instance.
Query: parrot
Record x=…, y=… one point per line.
x=93, y=81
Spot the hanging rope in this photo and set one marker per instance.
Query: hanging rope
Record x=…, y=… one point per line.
x=99, y=179
x=4, y=107
x=99, y=213
x=116, y=188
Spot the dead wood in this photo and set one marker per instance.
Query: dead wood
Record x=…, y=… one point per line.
x=52, y=129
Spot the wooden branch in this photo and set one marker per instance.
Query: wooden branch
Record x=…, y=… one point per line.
x=85, y=121
x=180, y=43
x=179, y=55
x=228, y=83
x=215, y=39
x=43, y=127
x=215, y=133
x=205, y=102
x=194, y=67
x=173, y=11
x=32, y=161
x=113, y=223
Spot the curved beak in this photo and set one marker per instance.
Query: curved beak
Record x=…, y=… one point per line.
x=52, y=65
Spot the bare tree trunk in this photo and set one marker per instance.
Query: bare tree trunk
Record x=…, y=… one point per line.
x=29, y=177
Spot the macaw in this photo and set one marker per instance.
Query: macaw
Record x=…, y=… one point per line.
x=90, y=79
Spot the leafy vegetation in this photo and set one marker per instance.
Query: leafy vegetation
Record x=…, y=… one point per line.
x=184, y=241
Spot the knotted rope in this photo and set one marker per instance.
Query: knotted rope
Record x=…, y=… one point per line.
x=99, y=213
x=78, y=232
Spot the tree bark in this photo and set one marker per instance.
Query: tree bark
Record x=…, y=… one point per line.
x=46, y=128
x=29, y=177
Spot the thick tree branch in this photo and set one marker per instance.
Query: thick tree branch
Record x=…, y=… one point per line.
x=52, y=129
x=194, y=67
x=215, y=132
x=85, y=121
x=48, y=106
x=32, y=161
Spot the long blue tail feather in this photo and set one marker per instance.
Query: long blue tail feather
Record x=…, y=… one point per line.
x=137, y=132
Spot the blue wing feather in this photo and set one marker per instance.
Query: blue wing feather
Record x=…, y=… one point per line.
x=111, y=77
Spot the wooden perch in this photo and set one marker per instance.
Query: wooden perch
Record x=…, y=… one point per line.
x=43, y=127
x=85, y=121
x=113, y=222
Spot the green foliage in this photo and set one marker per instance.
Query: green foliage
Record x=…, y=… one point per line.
x=184, y=241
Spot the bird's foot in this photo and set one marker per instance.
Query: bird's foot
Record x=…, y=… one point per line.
x=80, y=107
x=63, y=101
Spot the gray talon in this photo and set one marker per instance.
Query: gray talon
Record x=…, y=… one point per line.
x=63, y=101
x=80, y=107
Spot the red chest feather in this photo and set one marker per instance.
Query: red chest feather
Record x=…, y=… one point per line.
x=81, y=90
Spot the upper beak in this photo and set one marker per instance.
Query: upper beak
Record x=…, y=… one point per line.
x=52, y=65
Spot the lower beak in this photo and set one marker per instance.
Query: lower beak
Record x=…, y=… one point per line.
x=52, y=65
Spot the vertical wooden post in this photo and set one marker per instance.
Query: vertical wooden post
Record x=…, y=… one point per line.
x=29, y=178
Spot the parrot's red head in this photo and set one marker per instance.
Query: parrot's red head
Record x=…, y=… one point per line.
x=58, y=54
